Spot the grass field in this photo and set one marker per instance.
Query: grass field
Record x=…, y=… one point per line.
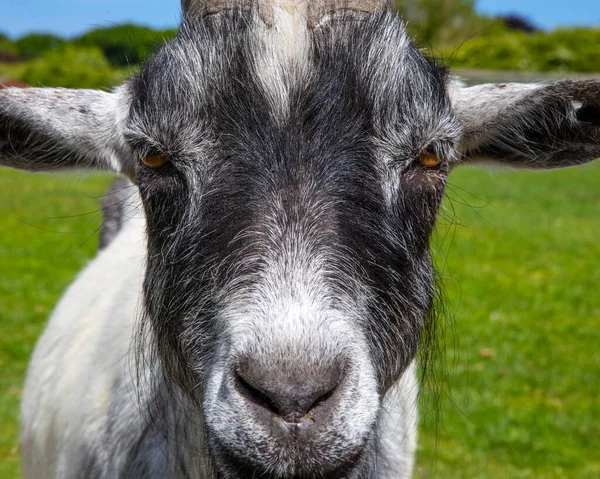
x=521, y=272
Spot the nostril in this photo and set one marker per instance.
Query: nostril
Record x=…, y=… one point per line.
x=288, y=396
x=323, y=398
x=254, y=395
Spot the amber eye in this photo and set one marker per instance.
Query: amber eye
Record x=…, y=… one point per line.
x=153, y=160
x=429, y=159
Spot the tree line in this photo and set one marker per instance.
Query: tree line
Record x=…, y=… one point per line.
x=451, y=30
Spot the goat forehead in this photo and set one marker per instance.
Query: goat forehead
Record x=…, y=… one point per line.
x=230, y=70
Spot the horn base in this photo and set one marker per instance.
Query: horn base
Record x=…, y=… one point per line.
x=315, y=11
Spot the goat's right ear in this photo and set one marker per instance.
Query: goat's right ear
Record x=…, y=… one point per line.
x=43, y=129
x=544, y=125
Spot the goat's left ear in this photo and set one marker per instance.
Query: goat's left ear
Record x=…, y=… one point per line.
x=44, y=129
x=548, y=125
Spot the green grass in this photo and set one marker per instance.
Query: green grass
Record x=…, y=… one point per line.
x=46, y=236
x=16, y=71
x=521, y=274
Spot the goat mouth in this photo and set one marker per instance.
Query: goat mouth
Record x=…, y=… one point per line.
x=297, y=456
x=236, y=468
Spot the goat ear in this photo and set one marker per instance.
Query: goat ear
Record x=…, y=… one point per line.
x=44, y=129
x=530, y=125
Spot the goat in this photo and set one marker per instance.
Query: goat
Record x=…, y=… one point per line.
x=273, y=276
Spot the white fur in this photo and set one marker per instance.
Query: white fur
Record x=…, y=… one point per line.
x=472, y=104
x=398, y=426
x=79, y=358
x=284, y=52
x=60, y=121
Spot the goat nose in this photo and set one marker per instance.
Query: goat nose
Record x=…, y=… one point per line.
x=291, y=396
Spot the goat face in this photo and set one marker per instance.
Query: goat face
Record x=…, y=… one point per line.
x=288, y=267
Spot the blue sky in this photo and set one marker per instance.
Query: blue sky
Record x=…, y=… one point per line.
x=72, y=17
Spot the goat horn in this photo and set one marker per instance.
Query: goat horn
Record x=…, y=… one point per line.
x=315, y=9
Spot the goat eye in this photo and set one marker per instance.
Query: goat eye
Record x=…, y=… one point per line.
x=430, y=159
x=153, y=160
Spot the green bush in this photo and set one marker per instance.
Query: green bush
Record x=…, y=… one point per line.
x=71, y=67
x=125, y=45
x=437, y=22
x=37, y=44
x=562, y=50
x=496, y=48
x=574, y=49
x=6, y=45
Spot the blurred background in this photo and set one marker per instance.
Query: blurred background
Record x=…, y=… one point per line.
x=517, y=393
x=97, y=44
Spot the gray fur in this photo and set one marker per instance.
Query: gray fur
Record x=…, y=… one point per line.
x=56, y=128
x=114, y=210
x=531, y=125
